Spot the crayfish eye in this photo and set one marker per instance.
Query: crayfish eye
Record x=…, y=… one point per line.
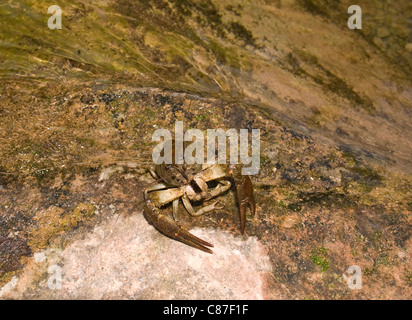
x=235, y=170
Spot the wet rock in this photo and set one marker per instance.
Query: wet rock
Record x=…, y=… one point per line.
x=11, y=250
x=383, y=32
x=335, y=147
x=290, y=221
x=125, y=258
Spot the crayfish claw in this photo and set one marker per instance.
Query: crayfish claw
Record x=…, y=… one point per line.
x=244, y=190
x=243, y=205
x=172, y=229
x=186, y=237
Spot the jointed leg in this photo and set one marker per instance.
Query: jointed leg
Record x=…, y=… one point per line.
x=189, y=208
x=175, y=208
x=153, y=173
x=222, y=187
x=155, y=186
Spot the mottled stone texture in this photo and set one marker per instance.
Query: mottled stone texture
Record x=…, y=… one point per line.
x=126, y=258
x=78, y=107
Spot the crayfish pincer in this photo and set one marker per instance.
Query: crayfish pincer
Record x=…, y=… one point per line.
x=189, y=183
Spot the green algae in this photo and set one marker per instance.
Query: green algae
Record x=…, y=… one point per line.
x=319, y=256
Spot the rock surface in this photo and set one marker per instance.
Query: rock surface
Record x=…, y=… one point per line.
x=78, y=107
x=125, y=258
